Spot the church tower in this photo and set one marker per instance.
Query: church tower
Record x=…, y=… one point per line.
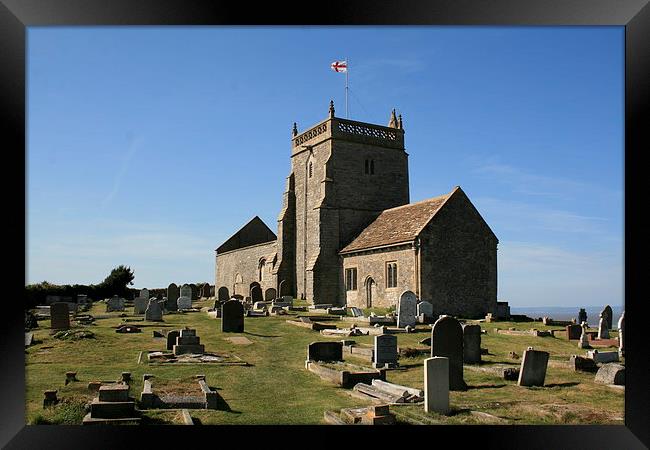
x=343, y=174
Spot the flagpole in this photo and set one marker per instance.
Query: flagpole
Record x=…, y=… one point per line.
x=347, y=70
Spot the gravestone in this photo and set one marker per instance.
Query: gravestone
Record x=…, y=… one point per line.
x=406, y=309
x=184, y=302
x=606, y=313
x=171, y=339
x=173, y=292
x=584, y=337
x=471, y=344
x=256, y=294
x=385, y=354
x=325, y=351
x=611, y=373
x=194, y=291
x=115, y=303
x=447, y=341
x=186, y=291
x=232, y=317
x=621, y=333
x=140, y=305
x=188, y=342
x=573, y=332
x=270, y=294
x=356, y=312
x=59, y=316
x=436, y=385
x=533, y=368
x=153, y=311
x=425, y=308
x=582, y=315
x=603, y=331
x=144, y=293
x=205, y=291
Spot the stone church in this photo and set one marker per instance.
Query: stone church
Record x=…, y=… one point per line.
x=348, y=235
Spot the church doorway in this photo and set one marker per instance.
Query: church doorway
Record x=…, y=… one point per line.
x=371, y=288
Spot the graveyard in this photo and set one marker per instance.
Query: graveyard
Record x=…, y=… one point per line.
x=260, y=376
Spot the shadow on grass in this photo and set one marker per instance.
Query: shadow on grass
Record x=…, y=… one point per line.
x=487, y=386
x=569, y=384
x=260, y=335
x=406, y=366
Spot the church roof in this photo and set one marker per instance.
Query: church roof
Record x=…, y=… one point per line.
x=253, y=233
x=400, y=224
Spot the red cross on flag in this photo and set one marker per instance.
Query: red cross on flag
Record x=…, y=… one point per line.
x=340, y=66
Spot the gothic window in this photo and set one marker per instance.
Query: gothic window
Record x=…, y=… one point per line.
x=261, y=269
x=391, y=274
x=238, y=279
x=351, y=279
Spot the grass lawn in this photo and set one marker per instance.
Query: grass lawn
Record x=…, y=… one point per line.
x=275, y=388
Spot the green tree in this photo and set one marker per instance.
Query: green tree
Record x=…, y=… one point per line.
x=117, y=282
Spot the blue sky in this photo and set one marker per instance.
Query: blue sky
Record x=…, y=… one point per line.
x=150, y=146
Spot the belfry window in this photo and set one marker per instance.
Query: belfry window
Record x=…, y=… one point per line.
x=370, y=167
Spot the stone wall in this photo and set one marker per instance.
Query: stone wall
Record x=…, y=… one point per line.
x=373, y=264
x=245, y=262
x=459, y=261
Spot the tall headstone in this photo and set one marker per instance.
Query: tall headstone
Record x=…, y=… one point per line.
x=436, y=385
x=140, y=305
x=425, y=308
x=194, y=291
x=603, y=331
x=584, y=338
x=232, y=317
x=608, y=315
x=471, y=344
x=621, y=333
x=582, y=316
x=59, y=316
x=447, y=341
x=186, y=291
x=172, y=295
x=385, y=354
x=533, y=368
x=406, y=309
x=153, y=311
x=144, y=293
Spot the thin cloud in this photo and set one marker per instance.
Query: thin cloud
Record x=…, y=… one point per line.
x=134, y=143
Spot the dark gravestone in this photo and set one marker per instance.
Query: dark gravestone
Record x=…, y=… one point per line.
x=232, y=317
x=608, y=316
x=471, y=344
x=59, y=316
x=325, y=351
x=447, y=341
x=573, y=332
x=582, y=316
x=195, y=292
x=256, y=294
x=205, y=291
x=222, y=294
x=270, y=294
x=173, y=292
x=385, y=351
x=171, y=339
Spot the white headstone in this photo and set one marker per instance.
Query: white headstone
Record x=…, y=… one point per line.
x=603, y=332
x=621, y=332
x=406, y=309
x=184, y=302
x=425, y=308
x=584, y=339
x=436, y=385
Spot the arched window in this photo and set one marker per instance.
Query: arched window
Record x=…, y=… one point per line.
x=238, y=279
x=261, y=269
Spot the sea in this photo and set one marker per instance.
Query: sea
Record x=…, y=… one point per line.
x=567, y=312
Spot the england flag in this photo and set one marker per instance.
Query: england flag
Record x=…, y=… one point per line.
x=340, y=66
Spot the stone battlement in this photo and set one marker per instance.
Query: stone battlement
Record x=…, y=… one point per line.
x=350, y=130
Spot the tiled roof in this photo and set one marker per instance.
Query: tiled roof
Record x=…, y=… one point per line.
x=399, y=224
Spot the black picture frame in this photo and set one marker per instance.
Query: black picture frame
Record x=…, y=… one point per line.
x=16, y=15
